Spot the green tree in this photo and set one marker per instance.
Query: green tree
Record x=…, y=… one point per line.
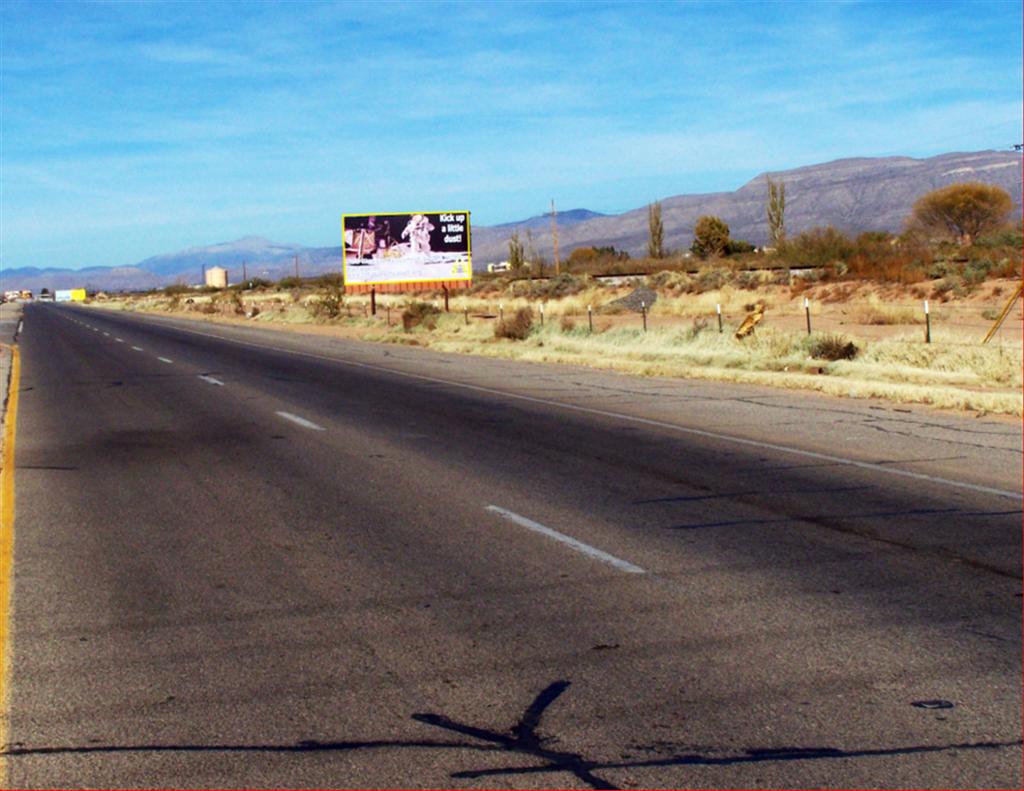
x=962, y=211
x=515, y=252
x=776, y=209
x=656, y=231
x=710, y=236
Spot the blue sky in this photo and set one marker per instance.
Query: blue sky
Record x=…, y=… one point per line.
x=133, y=129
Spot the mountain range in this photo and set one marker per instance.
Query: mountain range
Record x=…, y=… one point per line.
x=854, y=195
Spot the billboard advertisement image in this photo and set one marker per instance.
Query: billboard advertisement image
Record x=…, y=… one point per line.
x=406, y=248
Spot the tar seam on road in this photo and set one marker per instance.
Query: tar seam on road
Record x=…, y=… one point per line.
x=697, y=432
x=7, y=549
x=579, y=546
x=164, y=360
x=211, y=380
x=301, y=421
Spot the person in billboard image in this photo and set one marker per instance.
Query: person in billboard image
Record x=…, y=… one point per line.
x=418, y=233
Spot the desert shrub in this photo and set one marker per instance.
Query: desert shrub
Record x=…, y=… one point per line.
x=419, y=314
x=699, y=325
x=176, y=289
x=738, y=247
x=253, y=282
x=832, y=347
x=976, y=271
x=748, y=279
x=950, y=286
x=517, y=327
x=817, y=247
x=709, y=279
x=330, y=280
x=568, y=325
x=289, y=282
x=327, y=304
x=564, y=285
x=669, y=282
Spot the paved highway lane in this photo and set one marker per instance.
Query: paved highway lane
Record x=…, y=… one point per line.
x=250, y=559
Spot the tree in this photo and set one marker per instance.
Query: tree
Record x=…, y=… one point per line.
x=515, y=252
x=776, y=212
x=710, y=236
x=962, y=211
x=656, y=237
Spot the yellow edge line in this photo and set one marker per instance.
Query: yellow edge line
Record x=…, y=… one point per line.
x=7, y=552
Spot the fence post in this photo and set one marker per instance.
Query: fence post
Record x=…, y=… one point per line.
x=719, y=309
x=590, y=318
x=373, y=301
x=807, y=310
x=927, y=324
x=387, y=308
x=445, y=298
x=643, y=312
x=466, y=311
x=542, y=314
x=501, y=312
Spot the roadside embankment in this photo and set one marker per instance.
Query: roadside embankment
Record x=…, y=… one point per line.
x=863, y=342
x=10, y=320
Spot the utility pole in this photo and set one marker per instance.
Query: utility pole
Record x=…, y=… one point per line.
x=296, y=267
x=203, y=281
x=243, y=271
x=554, y=235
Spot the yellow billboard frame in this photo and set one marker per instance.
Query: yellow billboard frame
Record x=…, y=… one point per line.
x=469, y=249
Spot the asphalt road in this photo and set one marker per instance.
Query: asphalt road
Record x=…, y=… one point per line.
x=252, y=558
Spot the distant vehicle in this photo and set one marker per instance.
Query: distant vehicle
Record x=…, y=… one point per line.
x=10, y=296
x=504, y=266
x=46, y=297
x=25, y=294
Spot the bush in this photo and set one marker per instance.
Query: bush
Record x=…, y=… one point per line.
x=420, y=314
x=738, y=247
x=330, y=280
x=709, y=279
x=176, y=289
x=817, y=247
x=327, y=304
x=289, y=282
x=564, y=285
x=832, y=347
x=253, y=282
x=516, y=328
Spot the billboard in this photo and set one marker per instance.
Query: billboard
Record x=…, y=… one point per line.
x=419, y=247
x=69, y=295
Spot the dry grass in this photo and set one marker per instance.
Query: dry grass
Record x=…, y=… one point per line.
x=683, y=340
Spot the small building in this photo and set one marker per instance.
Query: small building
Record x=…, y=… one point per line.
x=217, y=277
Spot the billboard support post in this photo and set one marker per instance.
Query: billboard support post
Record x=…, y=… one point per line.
x=373, y=301
x=445, y=288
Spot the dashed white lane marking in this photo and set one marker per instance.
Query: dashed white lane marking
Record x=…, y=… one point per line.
x=579, y=546
x=696, y=432
x=107, y=334
x=137, y=348
x=118, y=340
x=300, y=421
x=164, y=360
x=211, y=380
